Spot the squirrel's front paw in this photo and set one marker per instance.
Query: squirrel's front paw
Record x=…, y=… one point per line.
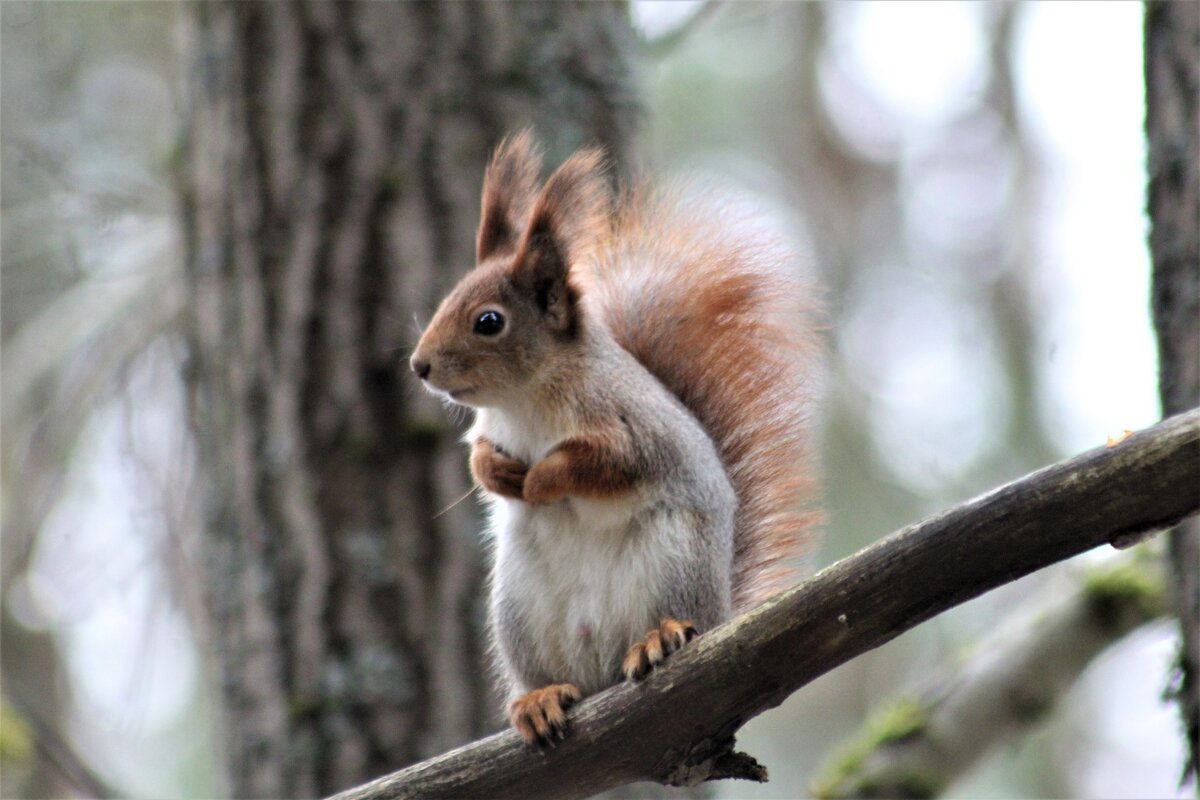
x=545, y=483
x=496, y=472
x=669, y=636
x=540, y=716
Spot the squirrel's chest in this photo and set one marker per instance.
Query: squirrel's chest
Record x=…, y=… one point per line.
x=526, y=437
x=585, y=580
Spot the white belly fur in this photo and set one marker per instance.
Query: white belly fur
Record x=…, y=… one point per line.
x=583, y=576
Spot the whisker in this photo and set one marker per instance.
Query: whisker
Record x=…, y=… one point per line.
x=456, y=502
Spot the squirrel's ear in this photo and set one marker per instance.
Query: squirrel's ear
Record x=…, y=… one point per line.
x=509, y=186
x=567, y=220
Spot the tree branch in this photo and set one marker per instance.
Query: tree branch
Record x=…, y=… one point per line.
x=918, y=745
x=678, y=725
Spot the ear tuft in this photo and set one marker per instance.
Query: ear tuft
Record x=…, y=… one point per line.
x=568, y=219
x=509, y=187
x=572, y=207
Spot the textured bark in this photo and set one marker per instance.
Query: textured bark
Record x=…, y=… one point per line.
x=1172, y=53
x=329, y=198
x=678, y=726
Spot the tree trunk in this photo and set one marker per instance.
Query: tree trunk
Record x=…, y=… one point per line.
x=1172, y=53
x=329, y=198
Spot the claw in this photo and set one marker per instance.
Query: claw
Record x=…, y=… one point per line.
x=643, y=656
x=540, y=716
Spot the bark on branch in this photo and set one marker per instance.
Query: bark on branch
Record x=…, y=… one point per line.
x=678, y=726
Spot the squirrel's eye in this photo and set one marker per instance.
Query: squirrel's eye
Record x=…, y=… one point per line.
x=489, y=323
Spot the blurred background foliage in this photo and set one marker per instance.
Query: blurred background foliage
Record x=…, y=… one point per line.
x=968, y=179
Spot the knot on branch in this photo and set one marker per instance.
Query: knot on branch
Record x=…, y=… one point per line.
x=708, y=760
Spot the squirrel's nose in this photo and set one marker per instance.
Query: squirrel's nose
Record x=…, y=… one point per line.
x=421, y=368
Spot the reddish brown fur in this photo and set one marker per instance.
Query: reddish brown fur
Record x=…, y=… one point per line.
x=497, y=472
x=566, y=219
x=596, y=465
x=572, y=207
x=523, y=269
x=565, y=223
x=704, y=299
x=509, y=186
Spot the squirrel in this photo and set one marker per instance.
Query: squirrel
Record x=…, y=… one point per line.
x=638, y=364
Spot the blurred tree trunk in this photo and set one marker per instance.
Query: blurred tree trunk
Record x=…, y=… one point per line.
x=329, y=198
x=1172, y=52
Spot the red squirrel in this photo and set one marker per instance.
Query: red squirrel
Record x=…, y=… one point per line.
x=638, y=366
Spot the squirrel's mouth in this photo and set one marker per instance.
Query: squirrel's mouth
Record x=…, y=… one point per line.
x=455, y=394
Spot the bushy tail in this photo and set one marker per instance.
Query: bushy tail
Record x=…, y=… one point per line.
x=706, y=298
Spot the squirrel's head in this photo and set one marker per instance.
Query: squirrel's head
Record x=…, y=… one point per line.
x=518, y=311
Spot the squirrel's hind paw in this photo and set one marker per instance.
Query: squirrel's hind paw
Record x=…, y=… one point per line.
x=540, y=716
x=669, y=636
